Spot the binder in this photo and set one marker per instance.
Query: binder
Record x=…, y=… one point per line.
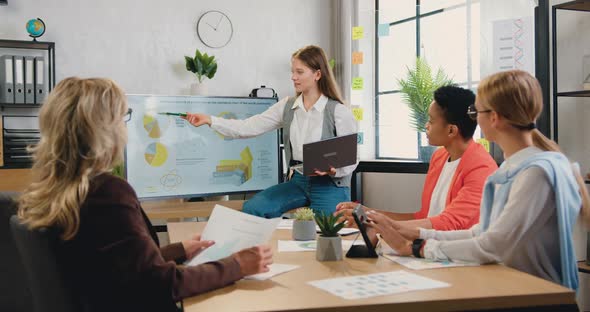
x=19, y=79
x=6, y=80
x=29, y=80
x=39, y=80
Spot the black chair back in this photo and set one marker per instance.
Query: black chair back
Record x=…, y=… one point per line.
x=39, y=251
x=14, y=289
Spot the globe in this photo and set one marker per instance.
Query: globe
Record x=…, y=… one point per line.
x=35, y=27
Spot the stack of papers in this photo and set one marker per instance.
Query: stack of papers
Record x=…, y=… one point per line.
x=311, y=245
x=287, y=224
x=423, y=264
x=275, y=269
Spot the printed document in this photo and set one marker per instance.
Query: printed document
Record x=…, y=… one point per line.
x=233, y=231
x=379, y=284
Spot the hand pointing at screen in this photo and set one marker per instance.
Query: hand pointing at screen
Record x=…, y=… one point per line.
x=198, y=120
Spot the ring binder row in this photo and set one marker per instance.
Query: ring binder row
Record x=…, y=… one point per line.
x=14, y=142
x=22, y=79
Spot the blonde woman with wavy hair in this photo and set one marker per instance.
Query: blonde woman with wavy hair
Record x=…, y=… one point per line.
x=110, y=250
x=529, y=205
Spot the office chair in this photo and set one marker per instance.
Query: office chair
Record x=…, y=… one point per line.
x=14, y=289
x=39, y=252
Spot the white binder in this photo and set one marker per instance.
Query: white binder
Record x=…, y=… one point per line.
x=6, y=80
x=29, y=80
x=39, y=80
x=19, y=79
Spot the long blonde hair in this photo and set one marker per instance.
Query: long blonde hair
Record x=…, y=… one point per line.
x=315, y=58
x=82, y=136
x=516, y=96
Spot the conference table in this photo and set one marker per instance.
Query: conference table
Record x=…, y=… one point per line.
x=472, y=288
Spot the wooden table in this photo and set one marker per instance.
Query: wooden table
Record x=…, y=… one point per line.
x=472, y=288
x=583, y=266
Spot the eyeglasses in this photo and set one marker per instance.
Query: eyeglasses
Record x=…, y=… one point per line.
x=472, y=112
x=128, y=114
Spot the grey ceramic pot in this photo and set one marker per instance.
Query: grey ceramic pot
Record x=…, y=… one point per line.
x=329, y=248
x=304, y=230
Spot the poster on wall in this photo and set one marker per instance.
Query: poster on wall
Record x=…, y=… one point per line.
x=514, y=44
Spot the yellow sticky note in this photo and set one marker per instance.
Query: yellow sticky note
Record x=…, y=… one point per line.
x=357, y=83
x=357, y=33
x=485, y=143
x=357, y=112
x=357, y=58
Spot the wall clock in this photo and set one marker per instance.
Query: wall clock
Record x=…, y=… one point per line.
x=214, y=29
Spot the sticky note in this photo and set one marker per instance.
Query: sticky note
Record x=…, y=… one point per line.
x=357, y=112
x=357, y=58
x=357, y=83
x=332, y=63
x=360, y=138
x=485, y=143
x=357, y=33
x=383, y=30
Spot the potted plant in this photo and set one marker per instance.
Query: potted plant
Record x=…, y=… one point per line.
x=329, y=242
x=304, y=224
x=202, y=65
x=417, y=91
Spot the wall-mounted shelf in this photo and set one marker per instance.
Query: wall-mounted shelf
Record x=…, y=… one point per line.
x=13, y=146
x=584, y=93
x=580, y=6
x=12, y=105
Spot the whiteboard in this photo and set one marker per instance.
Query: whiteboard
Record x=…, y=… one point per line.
x=168, y=157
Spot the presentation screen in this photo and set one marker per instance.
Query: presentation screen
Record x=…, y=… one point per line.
x=168, y=157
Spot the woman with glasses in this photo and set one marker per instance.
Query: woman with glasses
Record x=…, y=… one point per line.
x=529, y=205
x=110, y=249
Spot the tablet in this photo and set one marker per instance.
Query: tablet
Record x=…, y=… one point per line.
x=360, y=251
x=335, y=152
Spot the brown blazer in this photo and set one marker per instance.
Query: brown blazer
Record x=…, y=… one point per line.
x=114, y=261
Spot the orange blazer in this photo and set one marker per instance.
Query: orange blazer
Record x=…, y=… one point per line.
x=464, y=197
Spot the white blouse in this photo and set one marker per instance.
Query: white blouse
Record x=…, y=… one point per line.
x=306, y=126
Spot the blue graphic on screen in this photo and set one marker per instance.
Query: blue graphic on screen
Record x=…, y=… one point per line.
x=168, y=157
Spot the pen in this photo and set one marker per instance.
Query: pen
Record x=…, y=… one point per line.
x=173, y=114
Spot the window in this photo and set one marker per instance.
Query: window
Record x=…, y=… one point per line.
x=447, y=34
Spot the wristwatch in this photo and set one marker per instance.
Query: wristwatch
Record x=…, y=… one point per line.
x=416, y=246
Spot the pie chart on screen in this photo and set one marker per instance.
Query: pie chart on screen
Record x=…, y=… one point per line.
x=154, y=126
x=156, y=154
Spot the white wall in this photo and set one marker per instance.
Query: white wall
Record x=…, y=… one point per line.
x=141, y=44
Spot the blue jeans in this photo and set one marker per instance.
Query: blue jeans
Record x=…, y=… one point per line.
x=319, y=193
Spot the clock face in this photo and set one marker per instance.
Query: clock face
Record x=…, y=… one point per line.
x=214, y=29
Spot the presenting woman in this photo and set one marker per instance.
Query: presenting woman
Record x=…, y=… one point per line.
x=317, y=112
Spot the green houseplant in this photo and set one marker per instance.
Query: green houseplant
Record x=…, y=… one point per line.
x=304, y=224
x=329, y=242
x=417, y=91
x=203, y=66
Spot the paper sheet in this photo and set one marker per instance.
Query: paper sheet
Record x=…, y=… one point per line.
x=423, y=264
x=275, y=269
x=233, y=231
x=311, y=245
x=379, y=284
x=287, y=224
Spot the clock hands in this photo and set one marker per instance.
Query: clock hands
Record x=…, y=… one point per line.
x=220, y=19
x=216, y=25
x=214, y=28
